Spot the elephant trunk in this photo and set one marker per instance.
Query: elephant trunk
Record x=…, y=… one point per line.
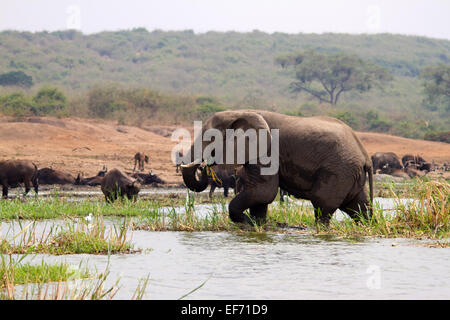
x=190, y=180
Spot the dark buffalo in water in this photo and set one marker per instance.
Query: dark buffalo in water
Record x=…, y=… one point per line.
x=91, y=181
x=147, y=178
x=15, y=172
x=117, y=184
x=51, y=176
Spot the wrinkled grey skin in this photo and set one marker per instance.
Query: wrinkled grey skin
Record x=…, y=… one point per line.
x=116, y=184
x=387, y=162
x=321, y=159
x=15, y=172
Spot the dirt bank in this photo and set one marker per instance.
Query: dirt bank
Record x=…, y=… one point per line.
x=81, y=145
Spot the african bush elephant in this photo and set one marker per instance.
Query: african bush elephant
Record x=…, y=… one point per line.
x=140, y=158
x=116, y=184
x=320, y=159
x=387, y=162
x=14, y=172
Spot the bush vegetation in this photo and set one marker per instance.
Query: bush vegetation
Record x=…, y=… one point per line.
x=136, y=76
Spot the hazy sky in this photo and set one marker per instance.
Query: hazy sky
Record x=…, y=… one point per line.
x=418, y=17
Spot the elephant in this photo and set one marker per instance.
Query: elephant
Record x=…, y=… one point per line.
x=140, y=158
x=14, y=172
x=224, y=179
x=51, y=176
x=387, y=162
x=319, y=159
x=117, y=184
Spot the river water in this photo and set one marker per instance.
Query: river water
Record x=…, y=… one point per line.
x=292, y=265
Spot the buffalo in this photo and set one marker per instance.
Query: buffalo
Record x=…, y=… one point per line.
x=51, y=176
x=147, y=178
x=91, y=181
x=14, y=172
x=117, y=184
x=387, y=162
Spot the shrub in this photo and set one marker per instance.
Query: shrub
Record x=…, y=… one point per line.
x=208, y=109
x=346, y=117
x=15, y=104
x=48, y=101
x=443, y=136
x=102, y=102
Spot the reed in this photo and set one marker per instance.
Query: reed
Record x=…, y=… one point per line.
x=76, y=237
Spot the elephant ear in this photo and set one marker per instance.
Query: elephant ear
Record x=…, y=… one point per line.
x=248, y=127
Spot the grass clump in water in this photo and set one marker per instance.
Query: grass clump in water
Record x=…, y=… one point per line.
x=78, y=238
x=13, y=272
x=174, y=219
x=56, y=282
x=426, y=216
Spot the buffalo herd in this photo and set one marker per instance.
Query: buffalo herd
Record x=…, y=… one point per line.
x=114, y=183
x=408, y=166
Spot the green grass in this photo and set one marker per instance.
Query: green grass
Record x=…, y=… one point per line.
x=77, y=238
x=13, y=272
x=56, y=282
x=427, y=216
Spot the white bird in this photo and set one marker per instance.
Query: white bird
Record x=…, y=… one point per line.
x=88, y=218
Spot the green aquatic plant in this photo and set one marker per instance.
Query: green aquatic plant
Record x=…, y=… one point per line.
x=82, y=236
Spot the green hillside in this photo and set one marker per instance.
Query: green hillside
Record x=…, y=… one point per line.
x=238, y=69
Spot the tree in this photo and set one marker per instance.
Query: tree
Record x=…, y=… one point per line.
x=437, y=84
x=16, y=78
x=326, y=77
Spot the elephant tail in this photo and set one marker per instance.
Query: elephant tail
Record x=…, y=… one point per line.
x=369, y=170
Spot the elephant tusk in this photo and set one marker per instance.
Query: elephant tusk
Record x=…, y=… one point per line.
x=192, y=164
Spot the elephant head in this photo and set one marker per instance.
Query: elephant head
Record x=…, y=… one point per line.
x=233, y=138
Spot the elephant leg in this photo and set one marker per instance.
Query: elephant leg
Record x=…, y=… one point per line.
x=327, y=195
x=323, y=215
x=259, y=213
x=259, y=191
x=358, y=207
x=243, y=201
x=237, y=207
